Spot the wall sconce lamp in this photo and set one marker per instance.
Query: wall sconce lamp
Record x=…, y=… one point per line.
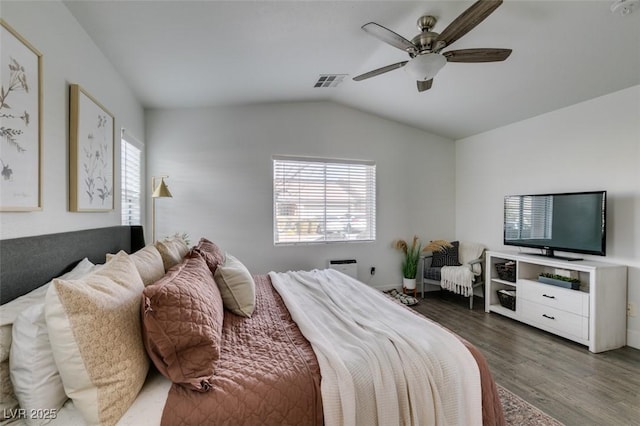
x=160, y=191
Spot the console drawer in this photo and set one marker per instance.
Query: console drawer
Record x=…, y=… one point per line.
x=552, y=319
x=564, y=299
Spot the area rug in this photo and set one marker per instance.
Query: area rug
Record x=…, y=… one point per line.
x=519, y=412
x=405, y=299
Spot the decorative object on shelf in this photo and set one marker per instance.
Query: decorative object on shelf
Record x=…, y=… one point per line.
x=507, y=298
x=412, y=257
x=506, y=271
x=160, y=191
x=91, y=136
x=560, y=281
x=21, y=130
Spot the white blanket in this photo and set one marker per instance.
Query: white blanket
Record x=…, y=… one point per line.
x=380, y=363
x=458, y=279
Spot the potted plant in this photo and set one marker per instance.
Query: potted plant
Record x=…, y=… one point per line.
x=559, y=280
x=412, y=257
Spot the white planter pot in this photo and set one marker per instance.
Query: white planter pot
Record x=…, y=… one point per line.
x=409, y=283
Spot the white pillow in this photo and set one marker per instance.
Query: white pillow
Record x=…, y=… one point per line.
x=8, y=314
x=35, y=377
x=9, y=311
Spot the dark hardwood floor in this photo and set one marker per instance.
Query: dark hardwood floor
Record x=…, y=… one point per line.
x=558, y=376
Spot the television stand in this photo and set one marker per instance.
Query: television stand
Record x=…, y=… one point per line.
x=594, y=315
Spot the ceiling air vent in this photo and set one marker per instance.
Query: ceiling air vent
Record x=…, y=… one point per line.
x=329, y=80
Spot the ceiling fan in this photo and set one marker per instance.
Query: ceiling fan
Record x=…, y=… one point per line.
x=424, y=49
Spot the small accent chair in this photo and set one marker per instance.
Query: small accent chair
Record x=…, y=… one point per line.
x=463, y=271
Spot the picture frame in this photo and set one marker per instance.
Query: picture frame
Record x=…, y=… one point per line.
x=91, y=156
x=21, y=123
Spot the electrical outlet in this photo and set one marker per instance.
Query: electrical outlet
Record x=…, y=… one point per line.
x=373, y=270
x=631, y=309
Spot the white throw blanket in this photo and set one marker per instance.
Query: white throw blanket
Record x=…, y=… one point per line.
x=459, y=279
x=380, y=363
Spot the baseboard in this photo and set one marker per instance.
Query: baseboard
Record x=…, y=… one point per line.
x=633, y=338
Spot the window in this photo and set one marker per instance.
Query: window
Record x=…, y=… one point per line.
x=323, y=200
x=131, y=166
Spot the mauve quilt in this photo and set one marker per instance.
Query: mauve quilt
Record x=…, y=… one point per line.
x=267, y=373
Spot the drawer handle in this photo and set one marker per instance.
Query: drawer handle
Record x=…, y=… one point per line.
x=548, y=316
x=550, y=297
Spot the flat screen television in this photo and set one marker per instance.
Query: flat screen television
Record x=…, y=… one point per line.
x=569, y=222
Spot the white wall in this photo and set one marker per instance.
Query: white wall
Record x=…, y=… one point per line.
x=594, y=145
x=69, y=56
x=219, y=163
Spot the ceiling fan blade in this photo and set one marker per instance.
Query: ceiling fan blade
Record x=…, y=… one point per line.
x=380, y=71
x=388, y=36
x=424, y=85
x=468, y=20
x=477, y=55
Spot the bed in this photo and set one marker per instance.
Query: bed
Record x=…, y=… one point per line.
x=275, y=366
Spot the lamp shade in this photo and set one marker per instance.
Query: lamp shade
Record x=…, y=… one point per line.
x=425, y=67
x=161, y=191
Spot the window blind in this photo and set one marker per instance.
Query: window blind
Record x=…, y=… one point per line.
x=528, y=217
x=131, y=169
x=323, y=200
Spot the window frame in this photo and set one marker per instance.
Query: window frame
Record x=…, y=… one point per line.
x=337, y=168
x=127, y=138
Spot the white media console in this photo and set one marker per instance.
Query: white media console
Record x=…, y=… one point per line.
x=594, y=315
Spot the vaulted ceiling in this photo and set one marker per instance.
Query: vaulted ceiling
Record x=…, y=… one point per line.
x=176, y=54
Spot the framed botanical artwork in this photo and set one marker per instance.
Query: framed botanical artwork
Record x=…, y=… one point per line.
x=20, y=123
x=91, y=138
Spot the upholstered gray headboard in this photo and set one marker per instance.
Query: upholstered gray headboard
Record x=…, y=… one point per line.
x=29, y=262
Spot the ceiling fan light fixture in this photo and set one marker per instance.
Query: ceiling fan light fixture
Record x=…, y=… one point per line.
x=424, y=67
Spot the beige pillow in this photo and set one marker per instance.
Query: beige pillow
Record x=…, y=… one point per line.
x=5, y=342
x=236, y=286
x=148, y=263
x=172, y=251
x=95, y=333
x=8, y=401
